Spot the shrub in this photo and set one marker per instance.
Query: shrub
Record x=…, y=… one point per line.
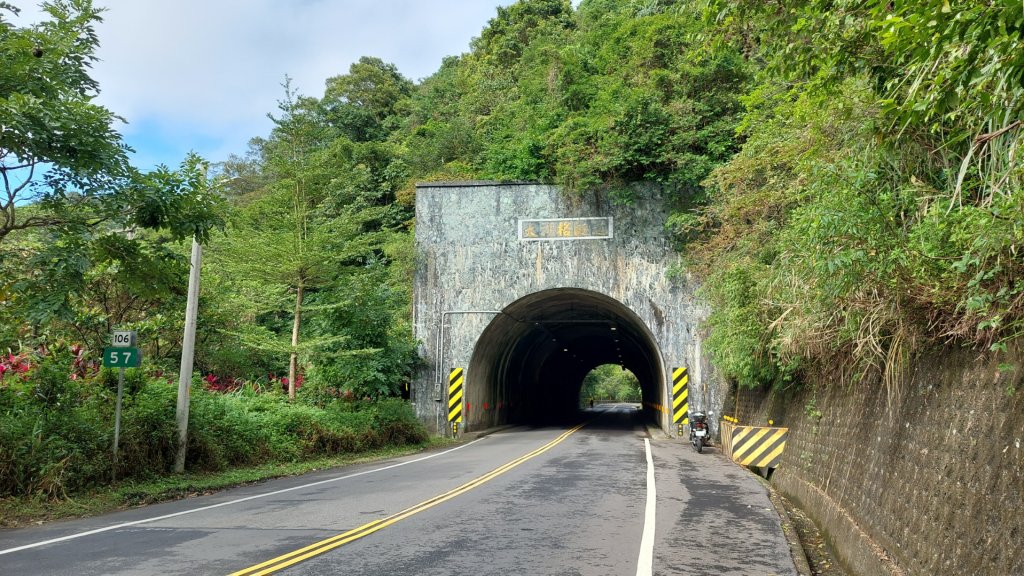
x=149, y=434
x=396, y=421
x=52, y=437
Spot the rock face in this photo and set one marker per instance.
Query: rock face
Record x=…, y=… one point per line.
x=527, y=291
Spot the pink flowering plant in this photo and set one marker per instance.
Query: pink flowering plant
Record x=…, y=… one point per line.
x=15, y=365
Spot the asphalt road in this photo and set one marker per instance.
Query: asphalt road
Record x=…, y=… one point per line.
x=523, y=501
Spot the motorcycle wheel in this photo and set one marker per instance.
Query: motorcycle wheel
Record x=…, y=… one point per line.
x=699, y=444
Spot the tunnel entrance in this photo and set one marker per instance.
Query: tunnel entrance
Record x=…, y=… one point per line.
x=529, y=363
x=520, y=290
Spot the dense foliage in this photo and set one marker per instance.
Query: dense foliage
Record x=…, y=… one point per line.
x=875, y=207
x=599, y=97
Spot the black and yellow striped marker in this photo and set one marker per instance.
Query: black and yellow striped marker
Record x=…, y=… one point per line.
x=759, y=446
x=680, y=397
x=455, y=381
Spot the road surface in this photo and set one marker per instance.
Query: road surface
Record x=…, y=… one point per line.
x=603, y=499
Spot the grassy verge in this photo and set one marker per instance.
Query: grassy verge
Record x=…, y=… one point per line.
x=20, y=512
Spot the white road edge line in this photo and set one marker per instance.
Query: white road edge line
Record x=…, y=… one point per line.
x=645, y=565
x=238, y=501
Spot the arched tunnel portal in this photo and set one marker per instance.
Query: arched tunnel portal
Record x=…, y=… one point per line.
x=524, y=289
x=529, y=363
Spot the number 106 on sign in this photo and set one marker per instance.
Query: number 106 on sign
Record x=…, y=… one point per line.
x=121, y=357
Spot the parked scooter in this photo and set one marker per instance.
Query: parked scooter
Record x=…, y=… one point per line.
x=699, y=430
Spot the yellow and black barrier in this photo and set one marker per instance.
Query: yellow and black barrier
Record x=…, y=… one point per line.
x=757, y=446
x=680, y=398
x=455, y=381
x=656, y=407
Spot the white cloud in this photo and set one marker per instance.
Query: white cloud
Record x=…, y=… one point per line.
x=203, y=74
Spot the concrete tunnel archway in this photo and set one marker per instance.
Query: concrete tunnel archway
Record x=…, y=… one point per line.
x=528, y=365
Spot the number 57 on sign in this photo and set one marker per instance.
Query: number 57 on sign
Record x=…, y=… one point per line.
x=122, y=357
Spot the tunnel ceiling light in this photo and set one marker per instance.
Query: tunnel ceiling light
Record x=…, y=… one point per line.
x=614, y=328
x=565, y=349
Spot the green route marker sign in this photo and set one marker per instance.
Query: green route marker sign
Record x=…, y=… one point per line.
x=122, y=357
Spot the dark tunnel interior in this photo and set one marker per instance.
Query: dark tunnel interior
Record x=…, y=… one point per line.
x=529, y=364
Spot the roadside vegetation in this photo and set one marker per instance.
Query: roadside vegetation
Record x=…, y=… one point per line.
x=57, y=433
x=844, y=178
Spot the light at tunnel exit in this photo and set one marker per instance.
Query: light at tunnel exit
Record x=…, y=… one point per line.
x=609, y=383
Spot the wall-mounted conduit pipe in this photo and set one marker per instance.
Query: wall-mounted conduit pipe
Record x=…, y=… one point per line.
x=439, y=362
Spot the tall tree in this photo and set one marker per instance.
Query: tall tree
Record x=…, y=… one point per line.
x=296, y=135
x=72, y=208
x=363, y=104
x=285, y=242
x=59, y=150
x=57, y=147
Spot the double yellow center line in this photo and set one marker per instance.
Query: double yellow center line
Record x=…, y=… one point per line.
x=302, y=554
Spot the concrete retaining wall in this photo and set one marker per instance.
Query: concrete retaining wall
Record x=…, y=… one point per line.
x=924, y=480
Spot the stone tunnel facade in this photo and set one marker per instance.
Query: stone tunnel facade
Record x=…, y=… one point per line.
x=527, y=290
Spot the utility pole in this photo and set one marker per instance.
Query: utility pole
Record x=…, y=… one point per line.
x=188, y=346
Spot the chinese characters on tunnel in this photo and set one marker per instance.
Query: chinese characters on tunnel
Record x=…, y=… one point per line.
x=565, y=228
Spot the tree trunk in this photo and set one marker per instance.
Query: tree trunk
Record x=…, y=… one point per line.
x=293, y=362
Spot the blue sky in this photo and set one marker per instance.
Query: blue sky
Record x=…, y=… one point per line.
x=202, y=75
